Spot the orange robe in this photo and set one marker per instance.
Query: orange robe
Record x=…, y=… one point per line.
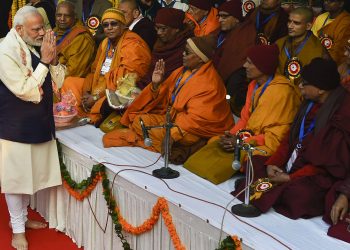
x=339, y=31
x=76, y=51
x=200, y=110
x=131, y=54
x=210, y=24
x=273, y=115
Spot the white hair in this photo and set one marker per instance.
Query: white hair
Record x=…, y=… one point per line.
x=23, y=13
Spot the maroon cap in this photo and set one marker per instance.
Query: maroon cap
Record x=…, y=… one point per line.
x=171, y=17
x=201, y=4
x=264, y=57
x=234, y=8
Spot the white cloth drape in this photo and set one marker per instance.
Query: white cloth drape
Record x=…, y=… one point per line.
x=197, y=223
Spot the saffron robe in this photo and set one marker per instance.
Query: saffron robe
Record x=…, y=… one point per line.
x=210, y=24
x=311, y=49
x=338, y=30
x=322, y=161
x=200, y=110
x=270, y=121
x=132, y=55
x=76, y=50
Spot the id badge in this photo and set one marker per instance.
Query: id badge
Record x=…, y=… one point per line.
x=106, y=66
x=292, y=159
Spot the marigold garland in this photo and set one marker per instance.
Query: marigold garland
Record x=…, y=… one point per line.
x=82, y=190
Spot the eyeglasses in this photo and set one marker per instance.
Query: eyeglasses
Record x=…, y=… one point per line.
x=223, y=16
x=161, y=28
x=113, y=24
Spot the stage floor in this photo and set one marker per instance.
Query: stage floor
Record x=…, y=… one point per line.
x=197, y=206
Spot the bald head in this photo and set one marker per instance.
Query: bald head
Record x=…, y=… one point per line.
x=131, y=3
x=305, y=12
x=65, y=15
x=66, y=4
x=130, y=9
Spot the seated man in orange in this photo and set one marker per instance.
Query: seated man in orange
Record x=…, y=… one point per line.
x=203, y=17
x=122, y=52
x=332, y=28
x=195, y=94
x=271, y=104
x=75, y=44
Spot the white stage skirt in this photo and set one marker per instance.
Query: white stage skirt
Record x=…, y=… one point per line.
x=197, y=222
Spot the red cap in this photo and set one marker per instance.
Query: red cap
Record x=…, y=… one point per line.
x=264, y=57
x=234, y=8
x=171, y=17
x=201, y=4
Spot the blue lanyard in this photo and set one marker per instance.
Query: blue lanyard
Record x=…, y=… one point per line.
x=221, y=39
x=177, y=88
x=300, y=47
x=108, y=47
x=63, y=37
x=262, y=91
x=257, y=20
x=302, y=126
x=203, y=19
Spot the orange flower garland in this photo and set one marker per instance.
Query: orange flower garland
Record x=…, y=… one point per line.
x=237, y=242
x=80, y=196
x=160, y=207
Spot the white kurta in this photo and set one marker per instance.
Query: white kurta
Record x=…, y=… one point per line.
x=26, y=168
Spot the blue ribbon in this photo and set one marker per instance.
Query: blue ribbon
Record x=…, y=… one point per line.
x=63, y=37
x=262, y=91
x=177, y=88
x=221, y=39
x=300, y=47
x=302, y=133
x=257, y=20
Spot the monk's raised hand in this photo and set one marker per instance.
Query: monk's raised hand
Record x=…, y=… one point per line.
x=158, y=74
x=48, y=47
x=339, y=209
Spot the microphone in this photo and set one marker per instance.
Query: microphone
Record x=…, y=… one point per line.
x=236, y=164
x=146, y=140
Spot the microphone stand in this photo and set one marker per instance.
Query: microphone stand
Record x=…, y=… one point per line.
x=166, y=172
x=246, y=209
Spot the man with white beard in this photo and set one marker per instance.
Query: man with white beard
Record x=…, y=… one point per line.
x=28, y=152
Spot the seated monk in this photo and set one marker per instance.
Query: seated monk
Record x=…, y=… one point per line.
x=202, y=17
x=271, y=104
x=120, y=53
x=270, y=21
x=315, y=154
x=332, y=28
x=234, y=38
x=344, y=68
x=75, y=45
x=171, y=41
x=195, y=93
x=300, y=46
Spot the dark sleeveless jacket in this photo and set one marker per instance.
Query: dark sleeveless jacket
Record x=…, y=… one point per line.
x=27, y=122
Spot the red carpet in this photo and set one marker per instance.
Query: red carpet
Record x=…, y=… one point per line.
x=43, y=239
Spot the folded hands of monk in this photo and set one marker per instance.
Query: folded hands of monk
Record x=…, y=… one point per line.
x=276, y=175
x=228, y=141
